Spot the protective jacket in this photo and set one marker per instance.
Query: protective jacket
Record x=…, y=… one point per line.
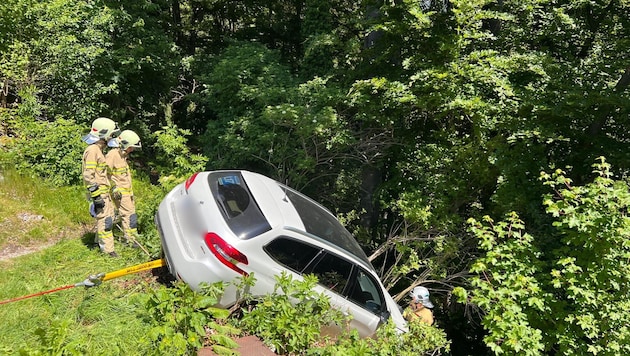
x=94, y=170
x=119, y=171
x=422, y=314
x=120, y=175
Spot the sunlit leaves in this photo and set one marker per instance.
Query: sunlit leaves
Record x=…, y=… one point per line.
x=584, y=306
x=182, y=318
x=506, y=286
x=593, y=220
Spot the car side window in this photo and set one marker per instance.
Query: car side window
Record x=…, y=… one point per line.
x=290, y=253
x=332, y=272
x=364, y=291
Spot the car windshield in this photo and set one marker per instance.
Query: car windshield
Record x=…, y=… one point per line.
x=317, y=221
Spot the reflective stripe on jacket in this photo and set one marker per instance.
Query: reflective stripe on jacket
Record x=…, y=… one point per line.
x=94, y=169
x=119, y=171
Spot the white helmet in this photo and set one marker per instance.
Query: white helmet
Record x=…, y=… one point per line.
x=102, y=129
x=125, y=140
x=421, y=294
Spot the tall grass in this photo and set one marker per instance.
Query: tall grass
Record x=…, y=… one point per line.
x=102, y=320
x=33, y=211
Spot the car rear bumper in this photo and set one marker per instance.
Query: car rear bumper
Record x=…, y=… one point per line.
x=190, y=261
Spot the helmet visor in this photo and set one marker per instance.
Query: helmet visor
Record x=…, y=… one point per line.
x=113, y=143
x=90, y=139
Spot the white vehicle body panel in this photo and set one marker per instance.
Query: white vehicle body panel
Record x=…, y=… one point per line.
x=186, y=214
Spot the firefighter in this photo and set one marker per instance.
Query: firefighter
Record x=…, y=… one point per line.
x=94, y=170
x=420, y=306
x=120, y=177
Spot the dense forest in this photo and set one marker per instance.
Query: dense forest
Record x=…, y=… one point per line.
x=475, y=147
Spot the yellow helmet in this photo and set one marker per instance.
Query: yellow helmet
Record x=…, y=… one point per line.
x=102, y=129
x=125, y=140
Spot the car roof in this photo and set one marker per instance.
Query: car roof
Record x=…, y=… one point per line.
x=286, y=207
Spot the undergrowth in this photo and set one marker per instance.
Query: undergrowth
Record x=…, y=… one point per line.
x=183, y=321
x=94, y=321
x=33, y=210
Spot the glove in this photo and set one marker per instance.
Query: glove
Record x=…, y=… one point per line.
x=92, y=210
x=99, y=204
x=93, y=190
x=116, y=194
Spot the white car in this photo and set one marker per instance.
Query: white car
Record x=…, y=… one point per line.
x=219, y=225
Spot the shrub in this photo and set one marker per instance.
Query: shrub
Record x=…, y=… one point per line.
x=290, y=319
x=147, y=198
x=422, y=339
x=183, y=320
x=51, y=150
x=175, y=162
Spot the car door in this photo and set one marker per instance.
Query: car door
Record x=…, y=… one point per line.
x=289, y=255
x=366, y=302
x=333, y=274
x=337, y=278
x=354, y=291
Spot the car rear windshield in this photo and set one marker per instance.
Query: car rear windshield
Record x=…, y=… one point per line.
x=239, y=209
x=319, y=222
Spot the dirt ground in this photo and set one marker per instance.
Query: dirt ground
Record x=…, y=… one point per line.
x=23, y=221
x=247, y=346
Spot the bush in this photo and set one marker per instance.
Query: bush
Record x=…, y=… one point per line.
x=184, y=320
x=290, y=319
x=51, y=150
x=147, y=198
x=421, y=339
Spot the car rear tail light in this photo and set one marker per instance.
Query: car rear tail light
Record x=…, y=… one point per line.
x=190, y=181
x=225, y=252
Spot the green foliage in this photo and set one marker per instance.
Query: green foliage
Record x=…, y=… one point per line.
x=269, y=123
x=506, y=287
x=88, y=59
x=51, y=150
x=141, y=64
x=292, y=316
x=147, y=198
x=174, y=160
x=591, y=273
x=55, y=45
x=246, y=78
x=183, y=320
x=53, y=341
x=421, y=339
x=570, y=300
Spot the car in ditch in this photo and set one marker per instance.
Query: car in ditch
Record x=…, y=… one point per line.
x=219, y=225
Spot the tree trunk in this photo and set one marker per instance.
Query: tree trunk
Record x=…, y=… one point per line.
x=4, y=93
x=595, y=128
x=177, y=22
x=370, y=181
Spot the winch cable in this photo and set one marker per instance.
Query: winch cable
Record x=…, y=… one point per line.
x=96, y=279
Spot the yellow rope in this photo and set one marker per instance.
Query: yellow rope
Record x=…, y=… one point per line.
x=134, y=269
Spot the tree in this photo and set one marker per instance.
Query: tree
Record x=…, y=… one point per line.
x=571, y=300
x=55, y=46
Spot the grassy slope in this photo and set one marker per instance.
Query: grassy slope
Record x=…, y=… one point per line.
x=32, y=213
x=102, y=320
